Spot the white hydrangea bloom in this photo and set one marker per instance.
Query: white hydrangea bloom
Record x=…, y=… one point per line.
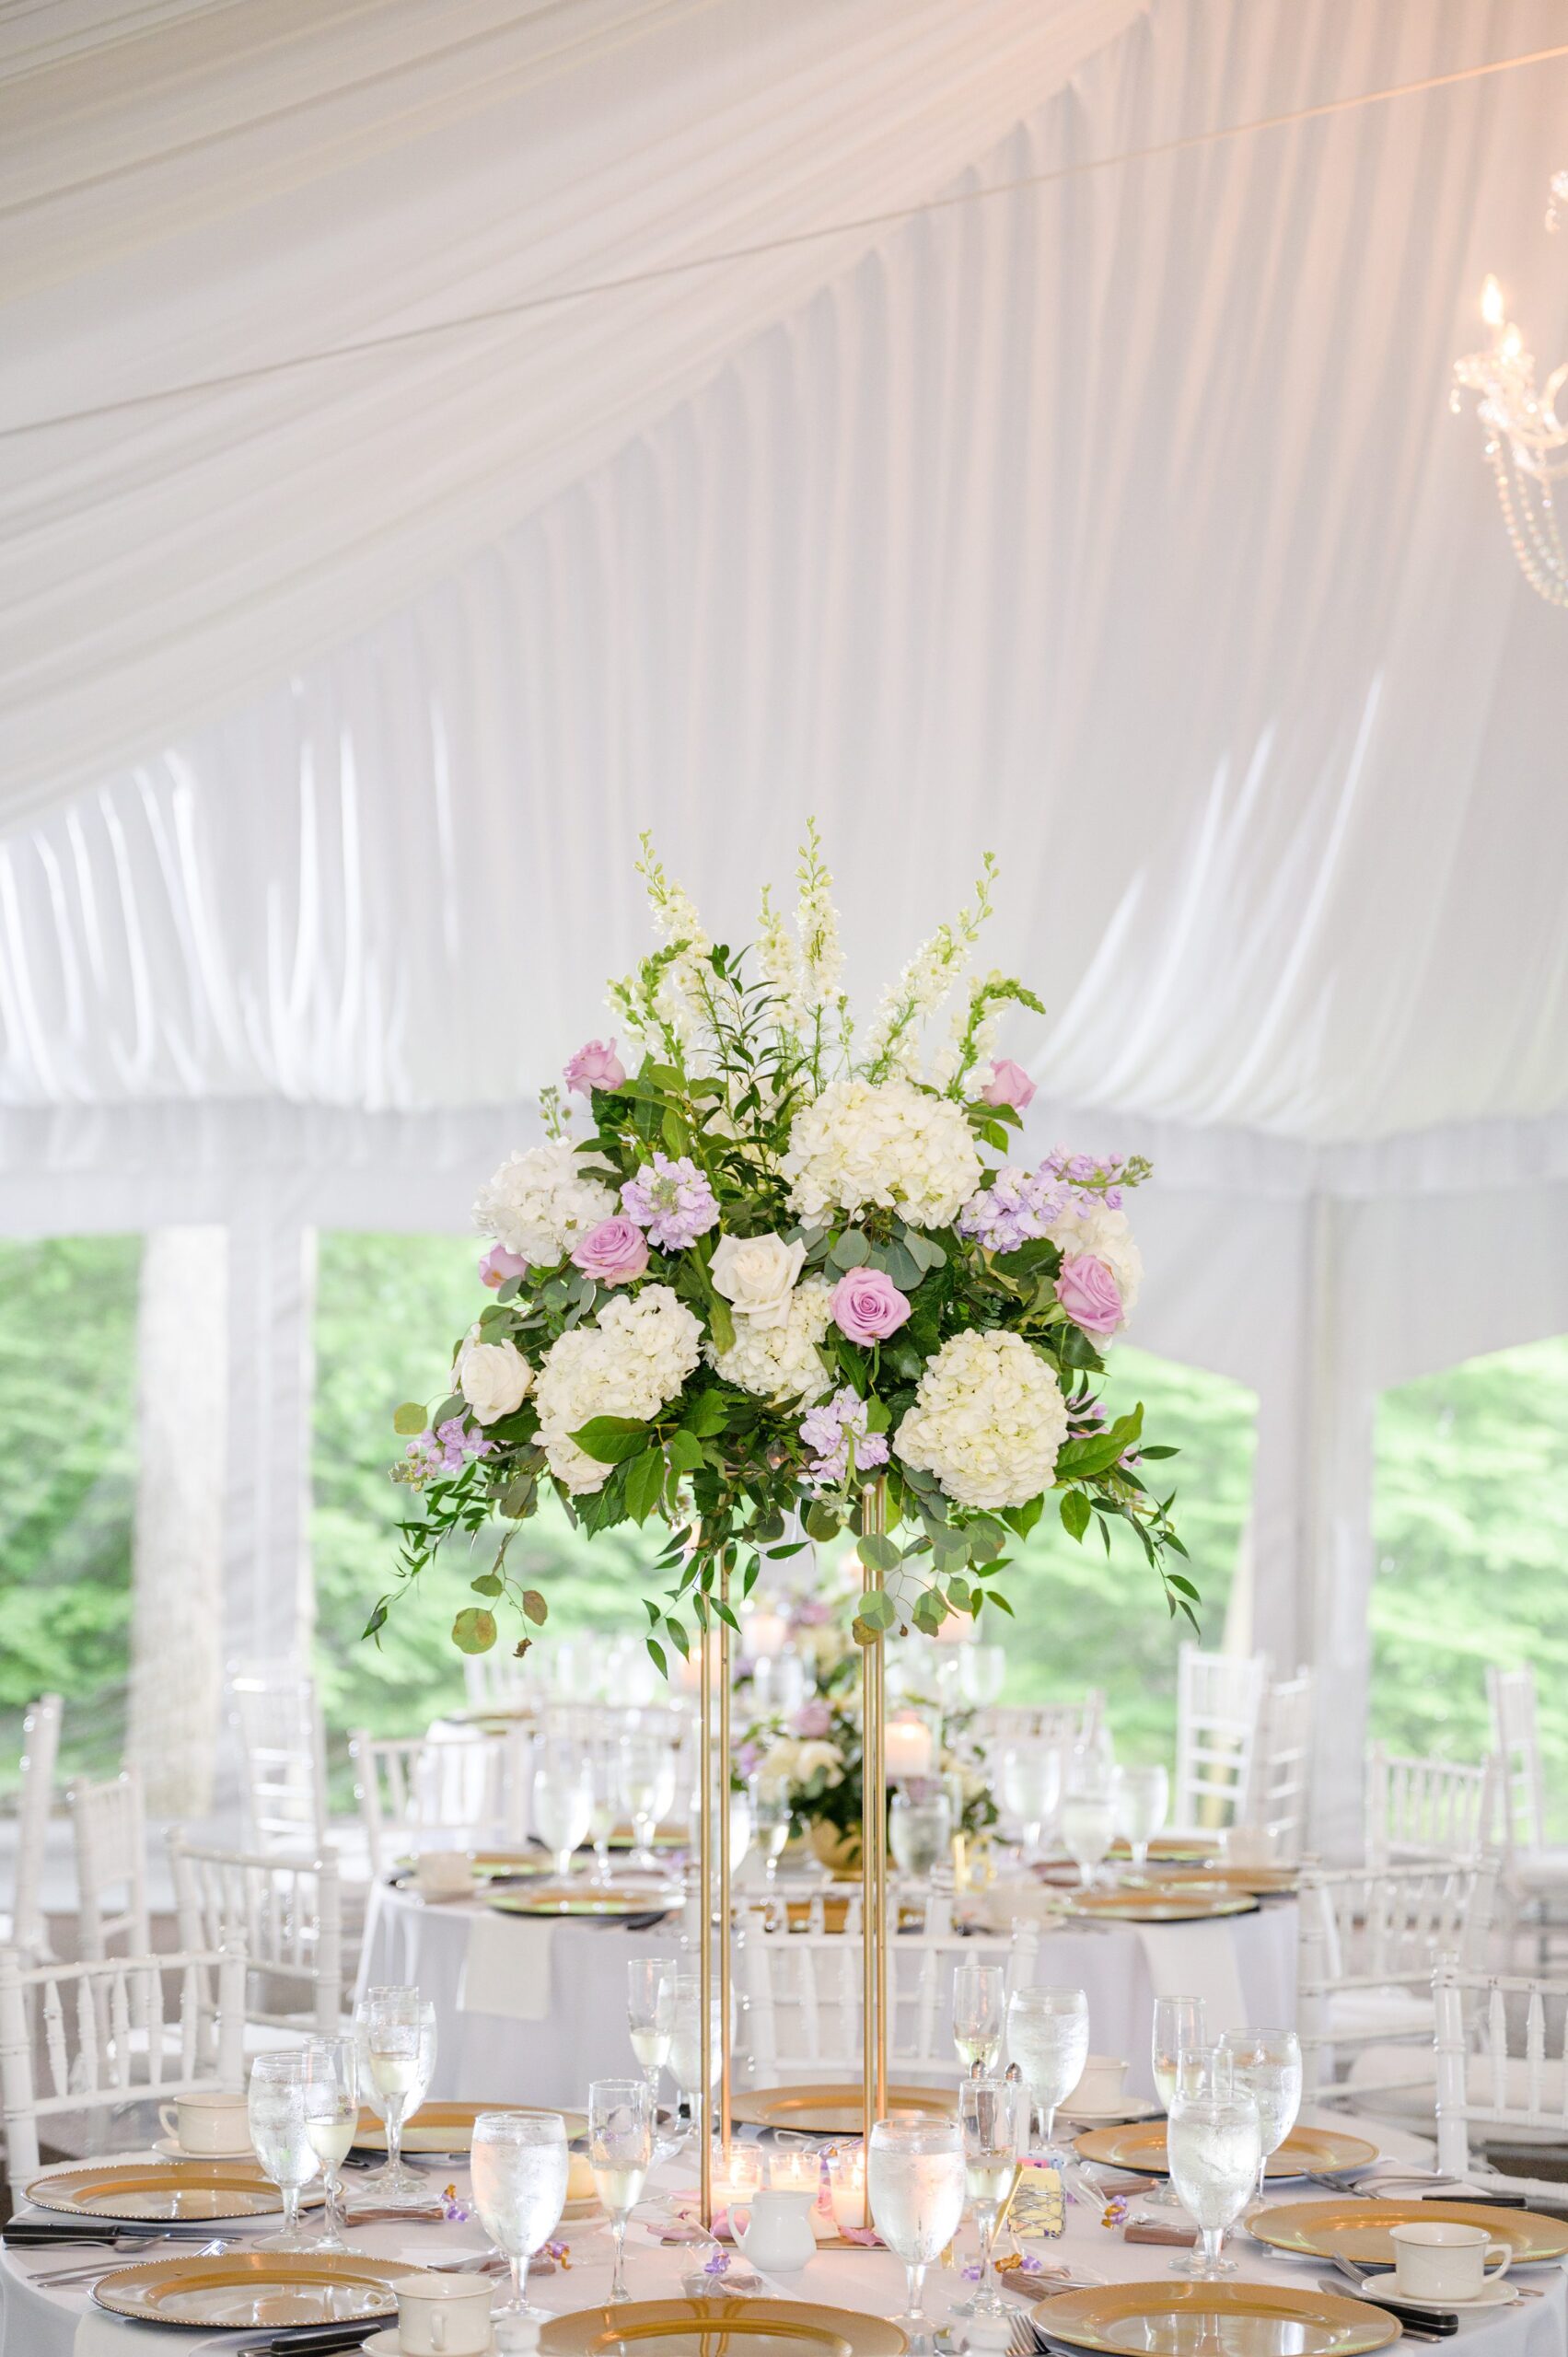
x=988, y=1420
x=632, y=1364
x=883, y=1142
x=781, y=1362
x=1108, y=1234
x=542, y=1202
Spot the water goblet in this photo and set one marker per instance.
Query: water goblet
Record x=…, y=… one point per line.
x=395, y=2034
x=562, y=1803
x=605, y=1811
x=1267, y=2064
x=1178, y=2030
x=915, y=2187
x=1087, y=1817
x=621, y=2153
x=686, y=2044
x=991, y=2114
x=921, y=1829
x=1214, y=2149
x=647, y=1790
x=332, y=2116
x=980, y=2014
x=275, y=2105
x=650, y=2013
x=1030, y=1781
x=771, y=1816
x=739, y=1828
x=1048, y=2038
x=519, y=2165
x=1142, y=1796
x=983, y=1670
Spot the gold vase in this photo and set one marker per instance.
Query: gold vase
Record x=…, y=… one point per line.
x=837, y=1848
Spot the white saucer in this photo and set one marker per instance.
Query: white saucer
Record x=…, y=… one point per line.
x=1501, y=2294
x=1111, y=2115
x=387, y=2344
x=169, y=2148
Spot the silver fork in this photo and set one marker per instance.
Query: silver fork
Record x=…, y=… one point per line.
x=121, y=2253
x=1022, y=2339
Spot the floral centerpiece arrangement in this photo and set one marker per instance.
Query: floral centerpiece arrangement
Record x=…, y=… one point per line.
x=786, y=1268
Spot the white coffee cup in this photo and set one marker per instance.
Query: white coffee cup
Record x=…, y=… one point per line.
x=1446, y=2260
x=1099, y=2089
x=443, y=1874
x=443, y=2315
x=1248, y=1845
x=213, y=2121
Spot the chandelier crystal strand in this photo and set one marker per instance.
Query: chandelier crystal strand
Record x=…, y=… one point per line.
x=1527, y=441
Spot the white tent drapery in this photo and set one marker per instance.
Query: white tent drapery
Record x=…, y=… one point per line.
x=1116, y=521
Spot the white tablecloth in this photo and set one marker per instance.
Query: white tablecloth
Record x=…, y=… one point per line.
x=39, y=2324
x=1244, y=1965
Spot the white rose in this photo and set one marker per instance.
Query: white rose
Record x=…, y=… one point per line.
x=494, y=1378
x=758, y=1274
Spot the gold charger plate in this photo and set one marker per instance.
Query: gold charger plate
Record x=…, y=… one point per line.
x=1157, y=1906
x=1241, y=2320
x=1141, y=2146
x=835, y=2109
x=283, y=2289
x=1359, y=2230
x=1194, y=1846
x=551, y=1902
x=718, y=2327
x=1223, y=1882
x=205, y=2189
x=449, y=2127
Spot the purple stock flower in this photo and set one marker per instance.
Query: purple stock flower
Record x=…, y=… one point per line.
x=672, y=1201
x=812, y=1721
x=826, y=1431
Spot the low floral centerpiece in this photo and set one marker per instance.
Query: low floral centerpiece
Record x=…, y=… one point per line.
x=783, y=1268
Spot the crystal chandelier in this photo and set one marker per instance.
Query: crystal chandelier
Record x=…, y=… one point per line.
x=1527, y=442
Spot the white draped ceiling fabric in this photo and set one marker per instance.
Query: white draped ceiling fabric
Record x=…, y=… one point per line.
x=1041, y=470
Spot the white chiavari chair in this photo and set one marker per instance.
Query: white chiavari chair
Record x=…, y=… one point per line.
x=107, y=2036
x=800, y=1991
x=1280, y=1791
x=28, y=1931
x=1219, y=1709
x=1535, y=1871
x=1427, y=1808
x=278, y=1725
x=287, y=1916
x=109, y=1829
x=1062, y=1723
x=417, y=1794
x=1369, y=1941
x=1501, y=2065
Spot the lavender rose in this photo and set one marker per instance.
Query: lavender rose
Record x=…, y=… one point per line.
x=613, y=1252
x=498, y=1264
x=595, y=1065
x=812, y=1721
x=868, y=1305
x=1089, y=1294
x=1009, y=1085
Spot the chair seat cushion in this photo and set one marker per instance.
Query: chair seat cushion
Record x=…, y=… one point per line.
x=1539, y=1870
x=1377, y=2064
x=1379, y=2013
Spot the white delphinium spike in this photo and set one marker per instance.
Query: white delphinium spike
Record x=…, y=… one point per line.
x=683, y=984
x=817, y=923
x=778, y=959
x=894, y=1043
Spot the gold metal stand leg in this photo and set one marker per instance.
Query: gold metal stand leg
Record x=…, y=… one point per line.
x=714, y=1896
x=705, y=1927
x=873, y=1852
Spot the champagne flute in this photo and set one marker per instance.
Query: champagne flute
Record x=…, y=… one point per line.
x=1267, y=2064
x=1048, y=2038
x=332, y=2116
x=650, y=2013
x=562, y=1803
x=771, y=1816
x=915, y=2187
x=605, y=1812
x=1142, y=1796
x=395, y=2031
x=275, y=2105
x=621, y=2153
x=991, y=2114
x=519, y=2165
x=1178, y=2029
x=1030, y=1781
x=1214, y=2148
x=980, y=2013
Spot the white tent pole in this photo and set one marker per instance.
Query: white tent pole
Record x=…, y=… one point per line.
x=268, y=1594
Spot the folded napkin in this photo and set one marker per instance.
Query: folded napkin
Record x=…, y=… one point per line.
x=1197, y=1960
x=506, y=1969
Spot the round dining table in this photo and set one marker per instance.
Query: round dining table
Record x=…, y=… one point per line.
x=38, y=2322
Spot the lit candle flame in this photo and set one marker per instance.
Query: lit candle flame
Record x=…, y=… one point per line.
x=1491, y=302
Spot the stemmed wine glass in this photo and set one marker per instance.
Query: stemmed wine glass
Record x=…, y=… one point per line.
x=1214, y=2149
x=650, y=2013
x=1048, y=2038
x=647, y=1790
x=980, y=2013
x=395, y=2032
x=621, y=2153
x=1030, y=1781
x=519, y=2167
x=562, y=1803
x=605, y=1812
x=1087, y=1815
x=1179, y=2031
x=686, y=2043
x=1267, y=2064
x=771, y=1816
x=1142, y=1796
x=915, y=2187
x=991, y=2114
x=332, y=2115
x=275, y=2105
